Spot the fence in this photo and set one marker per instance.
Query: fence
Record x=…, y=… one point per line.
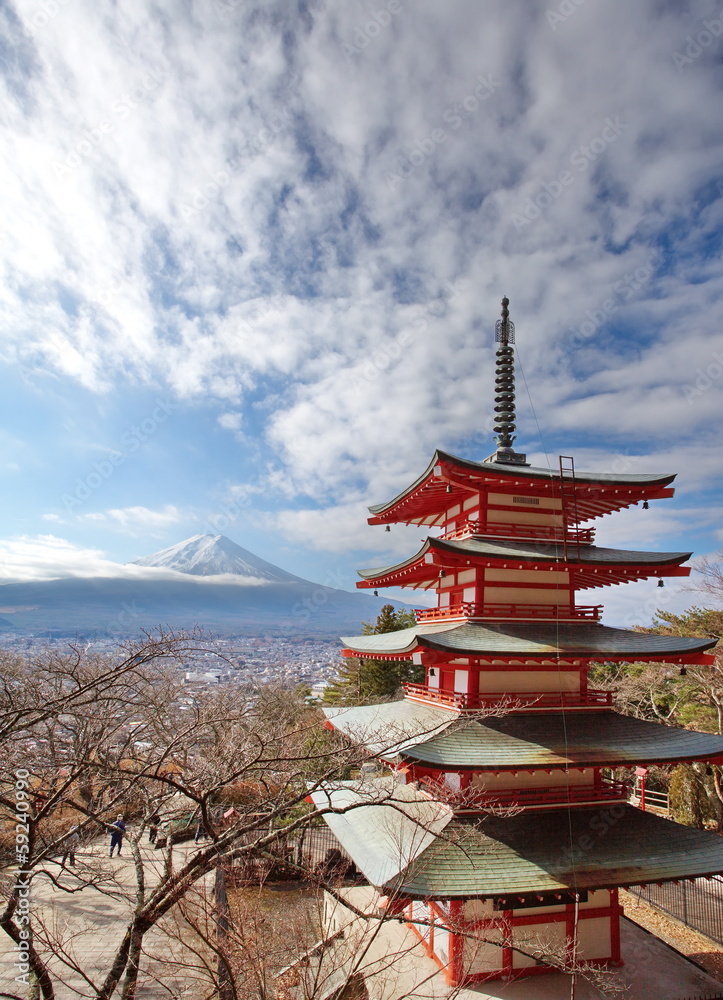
x=705, y=996
x=697, y=904
x=304, y=853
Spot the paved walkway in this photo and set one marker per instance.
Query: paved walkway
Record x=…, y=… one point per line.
x=89, y=925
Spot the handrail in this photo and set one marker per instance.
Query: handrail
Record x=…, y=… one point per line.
x=505, y=798
x=471, y=609
x=471, y=526
x=539, y=699
x=563, y=793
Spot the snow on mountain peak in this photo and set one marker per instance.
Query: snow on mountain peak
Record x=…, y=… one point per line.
x=214, y=555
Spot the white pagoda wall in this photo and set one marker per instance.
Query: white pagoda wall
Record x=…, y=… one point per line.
x=511, y=681
x=593, y=940
x=538, y=779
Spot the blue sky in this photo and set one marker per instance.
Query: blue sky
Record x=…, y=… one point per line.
x=253, y=255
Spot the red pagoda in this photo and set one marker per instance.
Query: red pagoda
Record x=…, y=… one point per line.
x=499, y=831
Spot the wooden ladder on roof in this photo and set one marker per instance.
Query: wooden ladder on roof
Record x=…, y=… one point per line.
x=568, y=499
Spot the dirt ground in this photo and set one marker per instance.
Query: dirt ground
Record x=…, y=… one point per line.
x=695, y=946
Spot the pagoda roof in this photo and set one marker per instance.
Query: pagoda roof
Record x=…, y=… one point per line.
x=631, y=565
x=392, y=727
x=595, y=493
x=407, y=845
x=544, y=640
x=405, y=731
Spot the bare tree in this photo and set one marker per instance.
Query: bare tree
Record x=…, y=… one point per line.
x=85, y=739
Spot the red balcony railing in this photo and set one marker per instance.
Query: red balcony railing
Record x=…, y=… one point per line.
x=526, y=700
x=520, y=532
x=505, y=798
x=552, y=612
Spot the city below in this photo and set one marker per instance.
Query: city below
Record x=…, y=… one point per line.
x=232, y=659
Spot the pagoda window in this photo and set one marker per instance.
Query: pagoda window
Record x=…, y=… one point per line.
x=433, y=677
x=469, y=594
x=466, y=576
x=470, y=502
x=453, y=511
x=447, y=680
x=444, y=599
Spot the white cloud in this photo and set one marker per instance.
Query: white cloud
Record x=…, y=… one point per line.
x=46, y=557
x=28, y=558
x=223, y=223
x=137, y=520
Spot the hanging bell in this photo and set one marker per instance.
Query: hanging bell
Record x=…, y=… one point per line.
x=388, y=528
x=646, y=505
x=661, y=583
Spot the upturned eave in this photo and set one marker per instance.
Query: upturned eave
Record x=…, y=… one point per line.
x=596, y=493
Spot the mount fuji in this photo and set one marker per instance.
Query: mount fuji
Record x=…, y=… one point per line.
x=206, y=580
x=216, y=555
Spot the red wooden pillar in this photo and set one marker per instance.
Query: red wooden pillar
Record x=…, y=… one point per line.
x=583, y=681
x=641, y=773
x=507, y=952
x=570, y=933
x=454, y=972
x=615, y=911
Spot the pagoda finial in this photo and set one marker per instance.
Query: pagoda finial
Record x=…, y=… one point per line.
x=504, y=425
x=505, y=379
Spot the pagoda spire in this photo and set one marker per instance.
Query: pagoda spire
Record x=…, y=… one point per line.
x=504, y=426
x=505, y=379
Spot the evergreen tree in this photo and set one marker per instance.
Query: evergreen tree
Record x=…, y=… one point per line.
x=361, y=680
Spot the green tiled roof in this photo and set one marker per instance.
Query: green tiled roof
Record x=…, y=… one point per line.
x=558, y=740
x=388, y=823
x=587, y=848
x=546, y=639
x=525, y=472
x=406, y=843
x=534, y=552
x=443, y=739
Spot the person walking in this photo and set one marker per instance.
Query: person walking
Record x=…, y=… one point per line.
x=153, y=824
x=116, y=834
x=70, y=845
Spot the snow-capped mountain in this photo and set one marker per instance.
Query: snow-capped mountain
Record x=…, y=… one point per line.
x=214, y=555
x=206, y=580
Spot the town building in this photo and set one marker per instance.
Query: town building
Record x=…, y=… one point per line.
x=498, y=830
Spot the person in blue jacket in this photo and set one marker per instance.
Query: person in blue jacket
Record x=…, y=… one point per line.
x=116, y=835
